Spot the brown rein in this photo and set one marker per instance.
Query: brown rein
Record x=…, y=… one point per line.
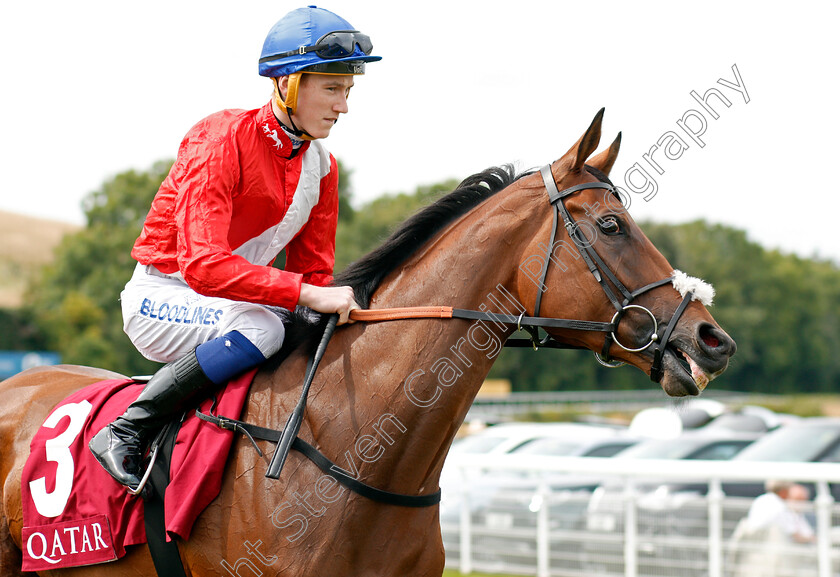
x=394, y=314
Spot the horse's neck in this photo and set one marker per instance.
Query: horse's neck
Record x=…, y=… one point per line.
x=413, y=381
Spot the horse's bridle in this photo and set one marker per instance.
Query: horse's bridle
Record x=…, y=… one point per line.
x=621, y=301
x=596, y=265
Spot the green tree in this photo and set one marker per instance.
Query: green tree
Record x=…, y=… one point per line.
x=346, y=213
x=782, y=310
x=75, y=301
x=375, y=220
x=20, y=332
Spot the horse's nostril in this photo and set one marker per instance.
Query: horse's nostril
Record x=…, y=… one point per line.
x=708, y=336
x=710, y=340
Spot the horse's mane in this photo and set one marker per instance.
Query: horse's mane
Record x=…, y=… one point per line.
x=366, y=274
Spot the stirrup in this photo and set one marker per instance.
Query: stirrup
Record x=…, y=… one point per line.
x=145, y=478
x=153, y=454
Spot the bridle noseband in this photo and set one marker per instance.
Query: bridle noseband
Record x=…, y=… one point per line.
x=602, y=273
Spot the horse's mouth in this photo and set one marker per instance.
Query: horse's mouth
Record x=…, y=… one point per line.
x=684, y=375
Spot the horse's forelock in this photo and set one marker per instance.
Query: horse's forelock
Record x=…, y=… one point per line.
x=599, y=175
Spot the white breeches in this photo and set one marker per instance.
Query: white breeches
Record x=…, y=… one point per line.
x=166, y=319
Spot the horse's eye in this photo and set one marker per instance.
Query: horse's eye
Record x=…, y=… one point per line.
x=609, y=225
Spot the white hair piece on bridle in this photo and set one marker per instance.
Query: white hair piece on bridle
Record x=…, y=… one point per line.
x=700, y=289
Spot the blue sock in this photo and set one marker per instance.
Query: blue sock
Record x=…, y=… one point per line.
x=227, y=356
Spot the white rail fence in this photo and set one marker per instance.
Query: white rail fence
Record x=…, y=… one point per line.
x=591, y=402
x=627, y=527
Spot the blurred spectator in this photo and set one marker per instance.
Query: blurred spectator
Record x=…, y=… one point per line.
x=769, y=541
x=780, y=508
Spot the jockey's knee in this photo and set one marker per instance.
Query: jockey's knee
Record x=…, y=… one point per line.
x=261, y=326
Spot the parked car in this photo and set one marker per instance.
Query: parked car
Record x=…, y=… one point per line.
x=812, y=440
x=535, y=439
x=485, y=487
x=506, y=437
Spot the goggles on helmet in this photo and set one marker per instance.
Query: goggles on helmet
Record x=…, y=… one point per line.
x=336, y=44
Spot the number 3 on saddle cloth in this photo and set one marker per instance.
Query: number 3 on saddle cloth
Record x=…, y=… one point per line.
x=75, y=514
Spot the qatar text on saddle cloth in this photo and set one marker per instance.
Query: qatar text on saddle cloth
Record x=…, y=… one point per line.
x=75, y=514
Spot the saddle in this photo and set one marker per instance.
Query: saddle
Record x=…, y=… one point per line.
x=75, y=514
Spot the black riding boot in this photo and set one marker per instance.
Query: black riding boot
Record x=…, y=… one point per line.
x=119, y=447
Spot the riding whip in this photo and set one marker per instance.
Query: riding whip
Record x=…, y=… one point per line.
x=292, y=427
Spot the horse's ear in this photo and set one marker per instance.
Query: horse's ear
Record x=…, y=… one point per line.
x=576, y=157
x=604, y=161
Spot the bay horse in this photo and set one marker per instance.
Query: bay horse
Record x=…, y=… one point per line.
x=389, y=396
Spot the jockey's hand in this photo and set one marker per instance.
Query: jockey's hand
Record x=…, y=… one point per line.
x=338, y=299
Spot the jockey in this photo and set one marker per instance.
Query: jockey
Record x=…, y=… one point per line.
x=204, y=297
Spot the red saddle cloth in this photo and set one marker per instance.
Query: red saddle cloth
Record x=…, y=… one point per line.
x=74, y=513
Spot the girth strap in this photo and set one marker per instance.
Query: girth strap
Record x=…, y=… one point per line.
x=165, y=556
x=363, y=489
x=323, y=463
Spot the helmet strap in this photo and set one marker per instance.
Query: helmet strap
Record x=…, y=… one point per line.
x=289, y=104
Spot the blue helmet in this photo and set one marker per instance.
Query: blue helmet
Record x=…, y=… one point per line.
x=312, y=39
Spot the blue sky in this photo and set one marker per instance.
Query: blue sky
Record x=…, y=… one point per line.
x=95, y=88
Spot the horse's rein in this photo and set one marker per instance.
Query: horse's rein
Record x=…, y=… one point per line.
x=443, y=312
x=394, y=314
x=596, y=265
